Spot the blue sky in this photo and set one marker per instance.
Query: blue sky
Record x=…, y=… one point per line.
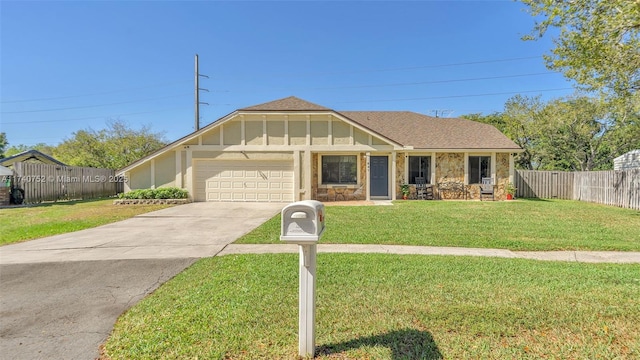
x=67, y=66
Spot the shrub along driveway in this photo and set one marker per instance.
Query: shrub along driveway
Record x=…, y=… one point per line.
x=61, y=295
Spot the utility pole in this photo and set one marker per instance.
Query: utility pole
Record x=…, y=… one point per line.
x=197, y=95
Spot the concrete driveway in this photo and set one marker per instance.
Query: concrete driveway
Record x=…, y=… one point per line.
x=61, y=295
x=188, y=231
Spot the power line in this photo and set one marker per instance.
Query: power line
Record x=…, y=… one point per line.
x=93, y=94
x=454, y=96
x=291, y=75
x=87, y=118
x=448, y=65
x=421, y=82
x=318, y=88
x=478, y=62
x=90, y=106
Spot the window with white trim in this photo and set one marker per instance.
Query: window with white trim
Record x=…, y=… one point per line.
x=339, y=169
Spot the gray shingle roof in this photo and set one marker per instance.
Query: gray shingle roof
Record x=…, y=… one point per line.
x=426, y=132
x=409, y=128
x=291, y=103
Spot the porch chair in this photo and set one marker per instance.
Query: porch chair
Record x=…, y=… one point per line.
x=487, y=188
x=358, y=194
x=421, y=188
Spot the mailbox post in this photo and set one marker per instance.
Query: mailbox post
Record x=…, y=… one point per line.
x=303, y=224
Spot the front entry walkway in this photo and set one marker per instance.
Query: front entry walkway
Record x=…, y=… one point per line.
x=618, y=257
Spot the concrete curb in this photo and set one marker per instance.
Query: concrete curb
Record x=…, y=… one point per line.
x=617, y=257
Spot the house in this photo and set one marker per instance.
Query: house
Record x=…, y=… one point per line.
x=290, y=149
x=30, y=156
x=627, y=161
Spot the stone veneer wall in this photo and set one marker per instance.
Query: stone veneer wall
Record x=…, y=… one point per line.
x=314, y=179
x=502, y=175
x=400, y=161
x=151, y=201
x=449, y=169
x=362, y=181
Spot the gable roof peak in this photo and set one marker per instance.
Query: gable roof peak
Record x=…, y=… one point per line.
x=290, y=103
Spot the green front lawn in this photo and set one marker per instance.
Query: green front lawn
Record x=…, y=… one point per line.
x=380, y=306
x=27, y=223
x=515, y=225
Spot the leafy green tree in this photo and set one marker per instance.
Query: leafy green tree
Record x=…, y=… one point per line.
x=624, y=131
x=522, y=117
x=598, y=45
x=586, y=133
x=520, y=122
x=113, y=147
x=496, y=119
x=578, y=133
x=42, y=147
x=575, y=131
x=3, y=144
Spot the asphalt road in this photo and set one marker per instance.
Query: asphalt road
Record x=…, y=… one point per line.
x=67, y=310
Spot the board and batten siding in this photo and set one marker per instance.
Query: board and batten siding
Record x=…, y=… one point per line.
x=286, y=131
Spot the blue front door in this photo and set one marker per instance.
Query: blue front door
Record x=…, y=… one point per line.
x=379, y=176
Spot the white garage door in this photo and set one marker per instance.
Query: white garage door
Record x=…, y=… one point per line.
x=262, y=181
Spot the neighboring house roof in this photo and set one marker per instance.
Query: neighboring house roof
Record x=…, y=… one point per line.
x=30, y=155
x=426, y=132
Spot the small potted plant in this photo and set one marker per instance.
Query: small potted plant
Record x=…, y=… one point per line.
x=510, y=189
x=405, y=191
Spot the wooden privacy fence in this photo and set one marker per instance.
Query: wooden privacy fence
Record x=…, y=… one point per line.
x=544, y=184
x=617, y=188
x=45, y=182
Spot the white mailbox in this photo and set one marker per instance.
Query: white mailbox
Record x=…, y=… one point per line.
x=302, y=222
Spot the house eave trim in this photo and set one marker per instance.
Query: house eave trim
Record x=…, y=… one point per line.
x=460, y=150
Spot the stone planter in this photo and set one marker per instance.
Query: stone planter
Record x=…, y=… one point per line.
x=151, y=201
